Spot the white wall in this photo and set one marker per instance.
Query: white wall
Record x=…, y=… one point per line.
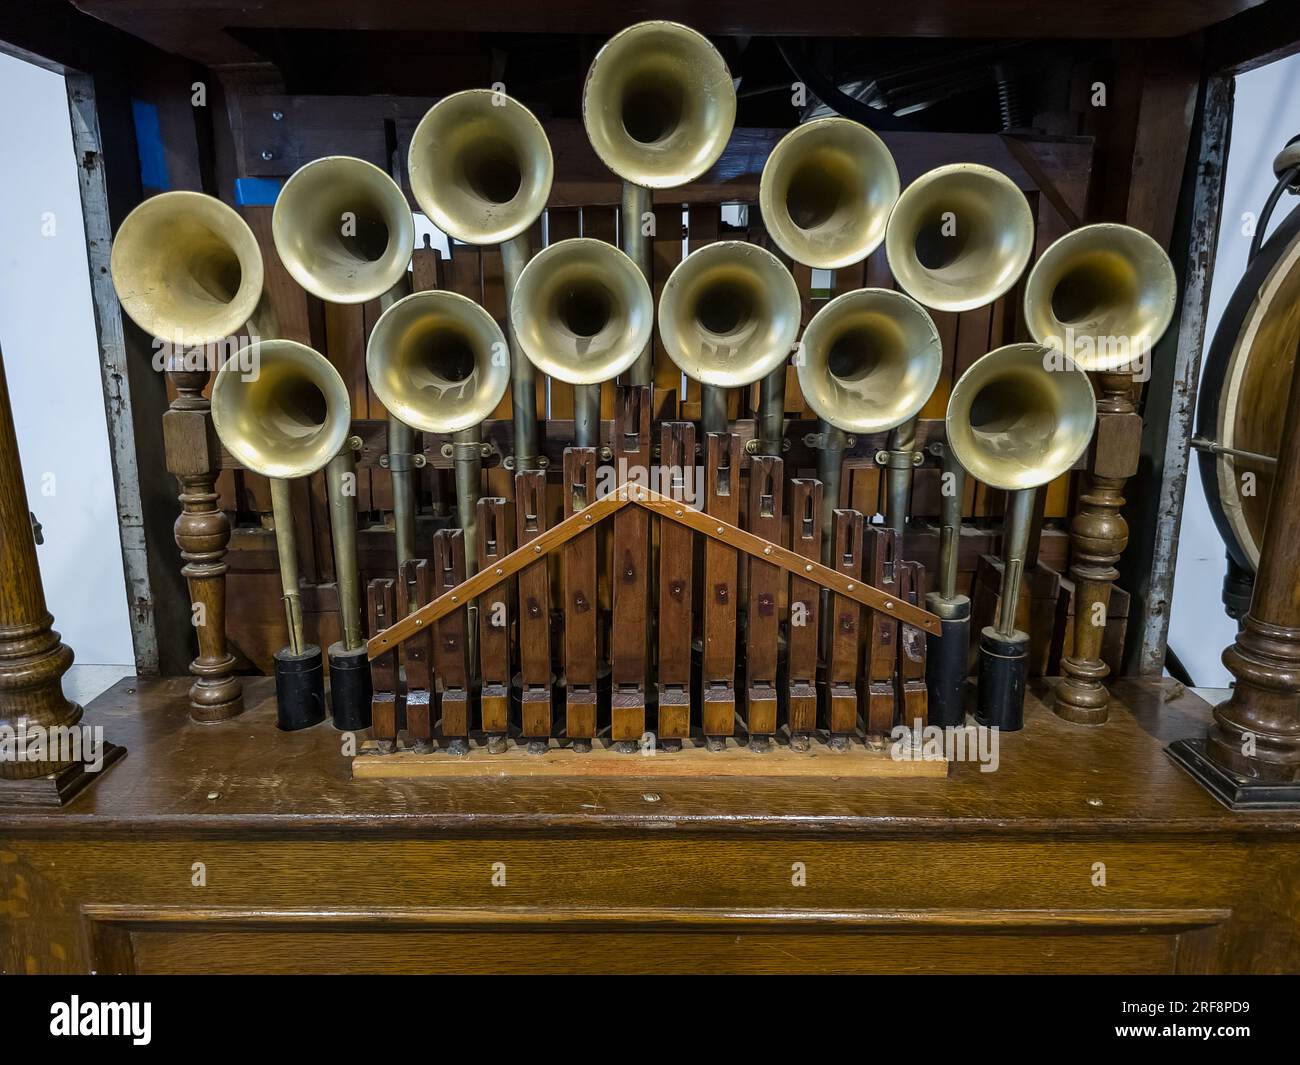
x=47, y=335
x=1266, y=114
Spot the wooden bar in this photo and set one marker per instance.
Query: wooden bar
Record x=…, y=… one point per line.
x=882, y=635
x=451, y=642
x=804, y=611
x=913, y=698
x=676, y=577
x=534, y=609
x=631, y=566
x=416, y=591
x=766, y=485
x=495, y=541
x=580, y=600
x=381, y=602
x=722, y=501
x=846, y=618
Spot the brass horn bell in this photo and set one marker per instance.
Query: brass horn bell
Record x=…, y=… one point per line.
x=729, y=314
x=826, y=192
x=869, y=360
x=658, y=104
x=187, y=269
x=1103, y=294
x=438, y=361
x=480, y=166
x=582, y=311
x=343, y=229
x=959, y=237
x=1014, y=423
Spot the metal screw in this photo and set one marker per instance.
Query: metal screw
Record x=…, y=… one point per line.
x=268, y=155
x=485, y=451
x=419, y=461
x=447, y=451
x=751, y=446
x=277, y=115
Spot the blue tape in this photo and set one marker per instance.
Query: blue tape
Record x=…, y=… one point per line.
x=149, y=143
x=257, y=192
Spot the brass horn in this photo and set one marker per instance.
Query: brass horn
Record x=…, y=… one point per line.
x=1019, y=417
x=187, y=269
x=1103, y=294
x=583, y=314
x=480, y=167
x=343, y=229
x=282, y=410
x=959, y=237
x=728, y=315
x=659, y=106
x=826, y=192
x=867, y=363
x=438, y=362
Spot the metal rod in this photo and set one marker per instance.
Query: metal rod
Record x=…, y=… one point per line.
x=340, y=483
x=771, y=413
x=1215, y=448
x=713, y=408
x=952, y=494
x=830, y=462
x=898, y=477
x=287, y=548
x=467, y=461
x=523, y=375
x=636, y=204
x=401, y=444
x=586, y=415
x=1019, y=517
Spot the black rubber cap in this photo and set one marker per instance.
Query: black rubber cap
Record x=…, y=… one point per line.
x=1003, y=670
x=299, y=688
x=946, y=661
x=349, y=688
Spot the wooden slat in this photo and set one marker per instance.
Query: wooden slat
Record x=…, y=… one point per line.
x=805, y=606
x=416, y=591
x=451, y=642
x=676, y=577
x=495, y=542
x=630, y=566
x=722, y=502
x=580, y=599
x=913, y=696
x=381, y=603
x=766, y=492
x=846, y=619
x=882, y=633
x=534, y=607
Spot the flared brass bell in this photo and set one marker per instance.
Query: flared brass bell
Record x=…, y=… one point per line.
x=480, y=166
x=959, y=237
x=659, y=104
x=1103, y=294
x=438, y=361
x=187, y=269
x=869, y=360
x=1020, y=416
x=343, y=229
x=826, y=192
x=280, y=408
x=729, y=314
x=582, y=311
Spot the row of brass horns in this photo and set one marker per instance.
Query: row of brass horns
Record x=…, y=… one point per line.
x=343, y=229
x=438, y=361
x=826, y=192
x=280, y=408
x=582, y=311
x=869, y=360
x=658, y=104
x=729, y=314
x=187, y=269
x=1020, y=416
x=480, y=166
x=1103, y=294
x=959, y=237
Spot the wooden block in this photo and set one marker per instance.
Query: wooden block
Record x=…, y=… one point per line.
x=766, y=484
x=846, y=616
x=580, y=598
x=495, y=541
x=882, y=634
x=534, y=607
x=722, y=492
x=676, y=577
x=804, y=609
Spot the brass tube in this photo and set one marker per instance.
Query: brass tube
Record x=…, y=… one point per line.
x=343, y=531
x=287, y=548
x=952, y=493
x=637, y=202
x=468, y=464
x=586, y=415
x=713, y=408
x=898, y=477
x=830, y=462
x=771, y=413
x=1019, y=517
x=523, y=375
x=401, y=444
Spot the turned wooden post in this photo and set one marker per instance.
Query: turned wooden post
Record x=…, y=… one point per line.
x=1098, y=536
x=202, y=534
x=1256, y=732
x=32, y=658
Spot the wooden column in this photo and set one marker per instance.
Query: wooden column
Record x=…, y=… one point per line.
x=1098, y=536
x=202, y=534
x=32, y=658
